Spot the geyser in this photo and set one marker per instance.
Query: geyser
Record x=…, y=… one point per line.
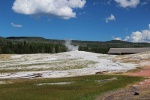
x=68, y=44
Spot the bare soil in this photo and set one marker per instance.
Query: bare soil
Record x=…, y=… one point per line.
x=143, y=72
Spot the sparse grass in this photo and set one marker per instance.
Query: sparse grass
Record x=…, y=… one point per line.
x=105, y=56
x=81, y=88
x=135, y=70
x=118, y=73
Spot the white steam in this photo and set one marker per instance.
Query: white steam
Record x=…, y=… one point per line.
x=68, y=44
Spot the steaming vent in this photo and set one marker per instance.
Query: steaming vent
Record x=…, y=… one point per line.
x=70, y=46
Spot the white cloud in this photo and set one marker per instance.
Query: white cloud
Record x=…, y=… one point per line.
x=59, y=8
x=127, y=38
x=139, y=36
x=128, y=3
x=111, y=18
x=149, y=26
x=116, y=38
x=16, y=25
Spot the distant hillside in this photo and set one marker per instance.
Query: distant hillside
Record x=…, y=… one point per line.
x=22, y=45
x=26, y=38
x=35, y=39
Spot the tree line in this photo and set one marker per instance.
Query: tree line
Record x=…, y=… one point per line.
x=29, y=45
x=103, y=47
x=26, y=47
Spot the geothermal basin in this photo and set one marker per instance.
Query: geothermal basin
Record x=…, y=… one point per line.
x=67, y=64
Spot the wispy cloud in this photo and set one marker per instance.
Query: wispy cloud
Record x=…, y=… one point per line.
x=109, y=2
x=128, y=3
x=127, y=38
x=16, y=25
x=144, y=3
x=81, y=13
x=110, y=18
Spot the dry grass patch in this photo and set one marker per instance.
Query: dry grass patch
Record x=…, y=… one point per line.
x=5, y=56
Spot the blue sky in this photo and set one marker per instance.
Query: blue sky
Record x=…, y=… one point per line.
x=93, y=20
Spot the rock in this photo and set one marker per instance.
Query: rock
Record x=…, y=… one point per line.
x=103, y=72
x=98, y=73
x=136, y=93
x=37, y=75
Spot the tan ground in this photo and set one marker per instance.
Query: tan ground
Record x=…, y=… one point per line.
x=5, y=56
x=143, y=72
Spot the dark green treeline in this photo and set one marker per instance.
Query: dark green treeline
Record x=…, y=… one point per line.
x=29, y=47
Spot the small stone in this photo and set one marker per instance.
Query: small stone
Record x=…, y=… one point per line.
x=136, y=93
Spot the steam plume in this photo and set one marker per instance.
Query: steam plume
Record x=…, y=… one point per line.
x=68, y=44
